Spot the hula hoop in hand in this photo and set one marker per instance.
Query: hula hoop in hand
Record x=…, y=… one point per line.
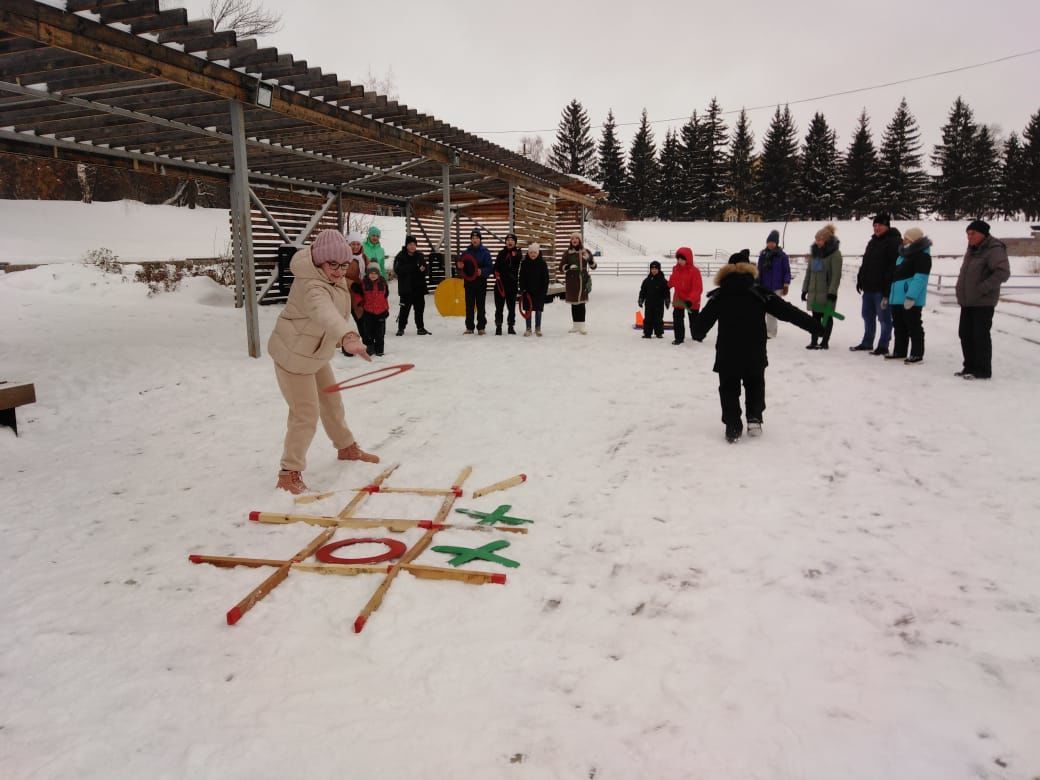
x=346, y=383
x=468, y=258
x=520, y=303
x=500, y=287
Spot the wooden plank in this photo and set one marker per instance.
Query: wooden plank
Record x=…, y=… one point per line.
x=14, y=394
x=459, y=575
x=229, y=561
x=257, y=594
x=502, y=485
x=395, y=524
x=347, y=569
x=356, y=501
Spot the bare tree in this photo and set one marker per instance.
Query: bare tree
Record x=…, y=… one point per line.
x=382, y=85
x=533, y=148
x=248, y=18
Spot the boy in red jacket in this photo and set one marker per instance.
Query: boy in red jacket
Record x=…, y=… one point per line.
x=376, y=303
x=687, y=283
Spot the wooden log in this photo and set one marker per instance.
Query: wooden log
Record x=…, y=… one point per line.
x=355, y=502
x=316, y=496
x=340, y=568
x=229, y=561
x=394, y=524
x=256, y=594
x=459, y=575
x=415, y=491
x=505, y=483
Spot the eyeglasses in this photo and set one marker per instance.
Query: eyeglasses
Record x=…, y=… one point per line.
x=338, y=266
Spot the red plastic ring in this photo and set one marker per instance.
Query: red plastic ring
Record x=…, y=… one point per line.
x=344, y=385
x=526, y=313
x=500, y=287
x=395, y=550
x=468, y=258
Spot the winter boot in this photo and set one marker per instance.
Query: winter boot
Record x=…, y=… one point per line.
x=754, y=428
x=538, y=332
x=733, y=432
x=574, y=328
x=511, y=331
x=527, y=331
x=354, y=452
x=581, y=329
x=292, y=481
x=422, y=332
x=498, y=330
x=400, y=331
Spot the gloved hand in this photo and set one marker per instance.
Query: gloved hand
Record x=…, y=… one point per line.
x=805, y=295
x=784, y=293
x=859, y=289
x=908, y=303
x=884, y=303
x=832, y=297
x=640, y=302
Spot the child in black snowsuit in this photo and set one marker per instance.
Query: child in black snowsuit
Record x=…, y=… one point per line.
x=740, y=304
x=655, y=295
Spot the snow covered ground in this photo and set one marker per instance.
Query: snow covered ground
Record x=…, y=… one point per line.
x=854, y=595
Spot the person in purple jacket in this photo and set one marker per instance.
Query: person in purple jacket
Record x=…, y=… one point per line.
x=774, y=273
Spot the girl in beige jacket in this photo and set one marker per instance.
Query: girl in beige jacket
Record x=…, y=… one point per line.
x=309, y=329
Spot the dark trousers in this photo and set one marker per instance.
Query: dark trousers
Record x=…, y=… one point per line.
x=476, y=301
x=679, y=322
x=908, y=329
x=578, y=312
x=653, y=321
x=825, y=339
x=402, y=316
x=976, y=345
x=500, y=303
x=373, y=330
x=754, y=395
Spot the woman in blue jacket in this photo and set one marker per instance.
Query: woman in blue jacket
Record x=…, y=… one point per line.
x=907, y=296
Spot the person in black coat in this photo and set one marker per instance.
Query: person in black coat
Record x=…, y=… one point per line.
x=533, y=286
x=507, y=266
x=739, y=304
x=410, y=270
x=655, y=295
x=873, y=282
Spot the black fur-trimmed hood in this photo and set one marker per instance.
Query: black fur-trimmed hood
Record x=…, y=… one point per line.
x=735, y=268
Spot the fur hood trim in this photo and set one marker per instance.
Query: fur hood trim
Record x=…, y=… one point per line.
x=735, y=268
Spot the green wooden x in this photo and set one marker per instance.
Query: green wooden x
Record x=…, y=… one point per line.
x=485, y=553
x=827, y=310
x=498, y=516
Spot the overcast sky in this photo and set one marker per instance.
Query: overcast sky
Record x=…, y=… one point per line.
x=486, y=66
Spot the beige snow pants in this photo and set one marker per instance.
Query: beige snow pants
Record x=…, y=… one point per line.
x=307, y=404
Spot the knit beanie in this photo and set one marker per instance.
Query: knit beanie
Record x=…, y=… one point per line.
x=774, y=236
x=826, y=232
x=374, y=231
x=883, y=219
x=979, y=227
x=330, y=247
x=355, y=238
x=655, y=264
x=912, y=235
x=743, y=256
x=534, y=247
x=512, y=236
x=410, y=240
x=476, y=232
x=373, y=267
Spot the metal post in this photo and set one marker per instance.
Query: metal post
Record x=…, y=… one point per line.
x=446, y=206
x=240, y=216
x=512, y=218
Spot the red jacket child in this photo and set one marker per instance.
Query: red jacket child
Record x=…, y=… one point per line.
x=686, y=281
x=376, y=298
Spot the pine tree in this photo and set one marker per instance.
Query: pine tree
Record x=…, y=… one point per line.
x=985, y=175
x=778, y=168
x=1031, y=168
x=742, y=168
x=611, y=169
x=821, y=171
x=573, y=151
x=642, y=172
x=859, y=186
x=903, y=185
x=693, y=153
x=670, y=189
x=716, y=162
x=1012, y=193
x=955, y=158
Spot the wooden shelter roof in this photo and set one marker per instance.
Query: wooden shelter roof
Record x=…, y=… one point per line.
x=121, y=78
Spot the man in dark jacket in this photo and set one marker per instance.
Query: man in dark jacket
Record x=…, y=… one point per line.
x=874, y=281
x=476, y=264
x=507, y=266
x=985, y=267
x=410, y=270
x=740, y=305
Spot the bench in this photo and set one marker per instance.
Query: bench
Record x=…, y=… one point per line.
x=13, y=395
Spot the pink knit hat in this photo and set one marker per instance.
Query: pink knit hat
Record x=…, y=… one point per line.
x=330, y=247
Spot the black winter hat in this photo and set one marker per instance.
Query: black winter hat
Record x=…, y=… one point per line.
x=476, y=232
x=883, y=219
x=512, y=236
x=655, y=264
x=743, y=256
x=978, y=226
x=410, y=240
x=774, y=236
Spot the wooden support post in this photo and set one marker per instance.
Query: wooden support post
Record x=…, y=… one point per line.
x=505, y=483
x=512, y=220
x=446, y=207
x=339, y=209
x=244, y=228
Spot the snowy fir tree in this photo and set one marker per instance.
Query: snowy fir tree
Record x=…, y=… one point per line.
x=691, y=139
x=1011, y=194
x=611, y=162
x=1031, y=168
x=716, y=162
x=573, y=151
x=670, y=189
x=642, y=173
x=954, y=158
x=742, y=196
x=820, y=171
x=859, y=180
x=985, y=175
x=902, y=184
x=778, y=168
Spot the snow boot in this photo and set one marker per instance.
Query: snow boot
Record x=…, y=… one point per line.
x=733, y=432
x=527, y=332
x=581, y=329
x=538, y=332
x=291, y=481
x=354, y=452
x=754, y=428
x=511, y=331
x=498, y=330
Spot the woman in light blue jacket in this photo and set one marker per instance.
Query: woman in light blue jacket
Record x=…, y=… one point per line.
x=907, y=296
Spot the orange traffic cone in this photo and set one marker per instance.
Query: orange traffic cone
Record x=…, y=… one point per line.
x=639, y=319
